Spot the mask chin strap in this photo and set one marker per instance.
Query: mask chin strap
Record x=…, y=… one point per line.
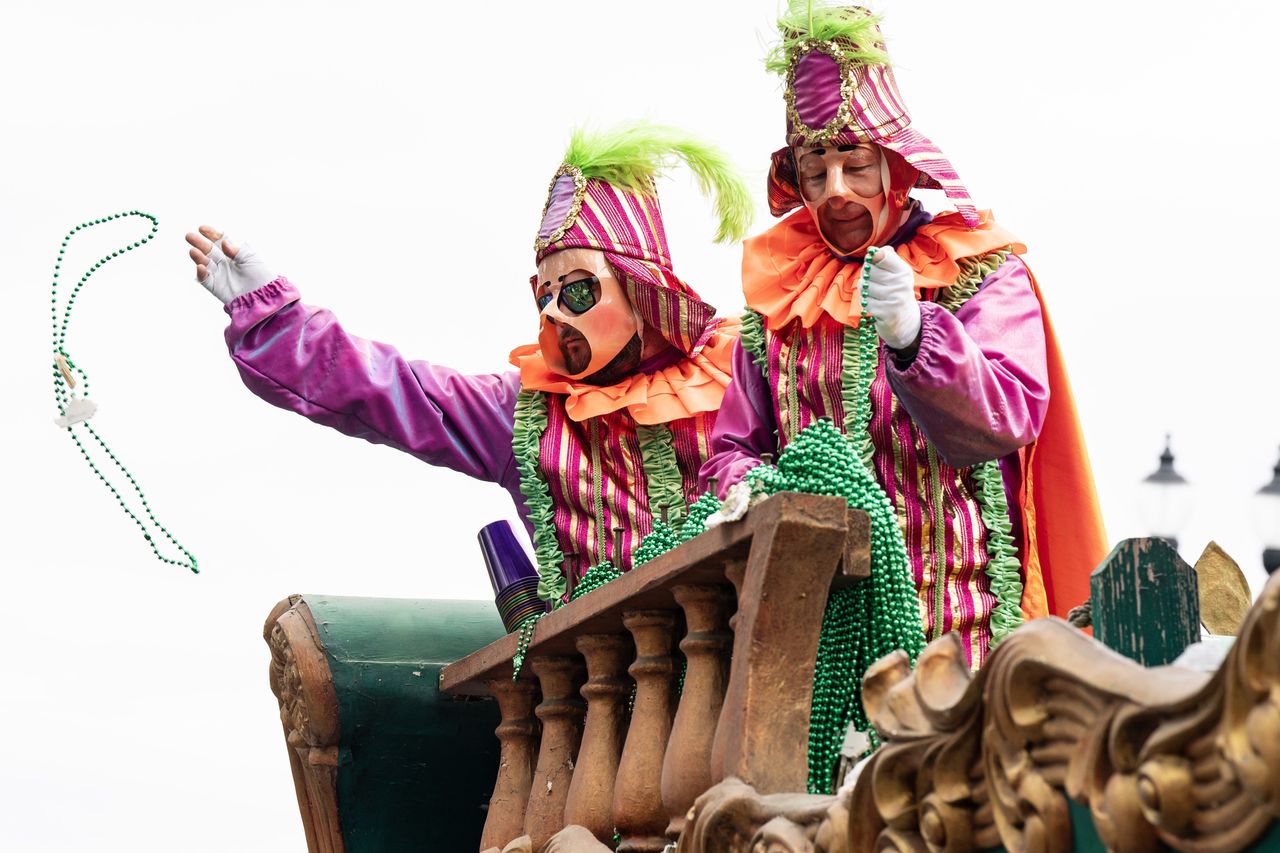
x=878, y=235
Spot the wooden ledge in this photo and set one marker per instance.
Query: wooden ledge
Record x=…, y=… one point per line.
x=698, y=561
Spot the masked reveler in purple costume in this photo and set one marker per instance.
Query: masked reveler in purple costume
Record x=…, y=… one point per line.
x=969, y=388
x=607, y=418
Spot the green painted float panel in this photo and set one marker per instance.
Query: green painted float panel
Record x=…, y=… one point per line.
x=1146, y=602
x=415, y=767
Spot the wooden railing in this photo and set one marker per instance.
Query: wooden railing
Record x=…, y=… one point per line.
x=742, y=604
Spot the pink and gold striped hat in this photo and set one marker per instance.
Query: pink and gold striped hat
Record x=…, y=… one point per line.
x=840, y=90
x=604, y=197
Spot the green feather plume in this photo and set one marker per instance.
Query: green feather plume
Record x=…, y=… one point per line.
x=812, y=19
x=632, y=155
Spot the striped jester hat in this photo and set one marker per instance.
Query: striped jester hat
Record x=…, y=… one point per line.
x=840, y=90
x=604, y=197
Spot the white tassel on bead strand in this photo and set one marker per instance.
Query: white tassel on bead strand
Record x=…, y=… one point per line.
x=78, y=410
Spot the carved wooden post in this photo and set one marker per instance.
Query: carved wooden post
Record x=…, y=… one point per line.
x=302, y=682
x=590, y=801
x=637, y=798
x=1146, y=602
x=764, y=723
x=686, y=769
x=517, y=733
x=561, y=713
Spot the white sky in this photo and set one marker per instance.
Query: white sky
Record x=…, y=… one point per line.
x=394, y=163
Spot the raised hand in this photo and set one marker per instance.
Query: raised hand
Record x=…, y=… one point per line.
x=226, y=270
x=891, y=299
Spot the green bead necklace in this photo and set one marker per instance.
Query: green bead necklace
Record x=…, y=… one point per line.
x=876, y=615
x=75, y=409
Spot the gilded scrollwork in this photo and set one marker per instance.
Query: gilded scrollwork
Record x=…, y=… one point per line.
x=1161, y=757
x=1054, y=729
x=732, y=816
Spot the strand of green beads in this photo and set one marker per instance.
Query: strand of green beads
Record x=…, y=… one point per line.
x=522, y=644
x=878, y=614
x=62, y=391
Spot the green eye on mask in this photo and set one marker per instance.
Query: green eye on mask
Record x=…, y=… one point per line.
x=576, y=297
x=579, y=296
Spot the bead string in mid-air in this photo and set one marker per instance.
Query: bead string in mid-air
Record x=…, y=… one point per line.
x=75, y=408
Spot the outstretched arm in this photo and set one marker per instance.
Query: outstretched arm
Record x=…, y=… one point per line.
x=978, y=385
x=300, y=358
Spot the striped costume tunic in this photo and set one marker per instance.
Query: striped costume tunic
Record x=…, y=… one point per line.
x=934, y=502
x=974, y=395
x=609, y=473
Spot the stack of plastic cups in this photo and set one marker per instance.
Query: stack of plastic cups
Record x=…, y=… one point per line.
x=514, y=579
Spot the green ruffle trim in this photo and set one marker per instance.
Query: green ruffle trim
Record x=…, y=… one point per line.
x=972, y=273
x=1003, y=569
x=1004, y=572
x=857, y=369
x=751, y=339
x=664, y=481
x=526, y=441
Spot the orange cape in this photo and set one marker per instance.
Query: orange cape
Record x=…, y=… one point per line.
x=692, y=385
x=789, y=274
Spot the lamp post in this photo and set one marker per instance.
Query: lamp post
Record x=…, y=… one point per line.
x=1267, y=505
x=1166, y=499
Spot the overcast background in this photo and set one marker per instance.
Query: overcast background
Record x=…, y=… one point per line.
x=393, y=161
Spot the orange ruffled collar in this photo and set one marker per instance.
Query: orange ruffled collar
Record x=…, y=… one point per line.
x=788, y=273
x=689, y=387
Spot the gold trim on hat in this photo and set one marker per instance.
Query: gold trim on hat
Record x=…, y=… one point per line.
x=848, y=85
x=575, y=206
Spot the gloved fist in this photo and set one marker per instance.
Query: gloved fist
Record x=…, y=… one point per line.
x=891, y=299
x=226, y=270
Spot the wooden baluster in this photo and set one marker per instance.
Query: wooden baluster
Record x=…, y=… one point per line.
x=590, y=800
x=518, y=734
x=686, y=770
x=561, y=712
x=764, y=722
x=637, y=798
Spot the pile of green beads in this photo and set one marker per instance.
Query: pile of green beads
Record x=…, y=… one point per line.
x=596, y=577
x=62, y=392
x=695, y=521
x=661, y=539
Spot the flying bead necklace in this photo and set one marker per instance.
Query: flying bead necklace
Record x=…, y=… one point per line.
x=75, y=408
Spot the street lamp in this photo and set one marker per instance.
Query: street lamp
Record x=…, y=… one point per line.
x=1267, y=505
x=1166, y=499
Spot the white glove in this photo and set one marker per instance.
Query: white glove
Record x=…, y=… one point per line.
x=231, y=277
x=891, y=299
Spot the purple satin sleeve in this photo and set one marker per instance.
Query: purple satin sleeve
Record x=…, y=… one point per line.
x=744, y=428
x=300, y=358
x=979, y=385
